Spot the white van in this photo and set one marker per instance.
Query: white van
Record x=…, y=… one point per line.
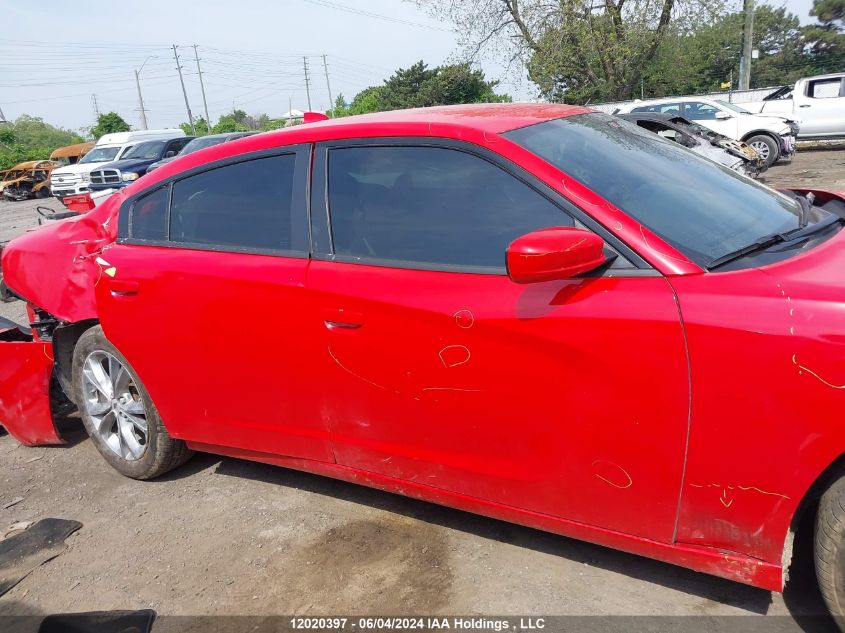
x=73, y=179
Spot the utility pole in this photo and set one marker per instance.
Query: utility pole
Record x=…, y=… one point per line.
x=2, y=116
x=141, y=102
x=747, y=36
x=202, y=87
x=96, y=107
x=184, y=92
x=328, y=85
x=307, y=82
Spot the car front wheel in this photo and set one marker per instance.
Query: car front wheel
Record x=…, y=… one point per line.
x=118, y=413
x=766, y=147
x=830, y=549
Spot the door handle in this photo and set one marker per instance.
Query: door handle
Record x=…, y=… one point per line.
x=343, y=319
x=804, y=105
x=124, y=288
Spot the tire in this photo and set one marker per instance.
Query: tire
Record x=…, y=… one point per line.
x=830, y=549
x=766, y=146
x=125, y=427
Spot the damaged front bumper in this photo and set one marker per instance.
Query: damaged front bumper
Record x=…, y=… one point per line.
x=26, y=368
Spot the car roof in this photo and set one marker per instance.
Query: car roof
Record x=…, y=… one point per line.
x=648, y=102
x=488, y=117
x=458, y=121
x=33, y=164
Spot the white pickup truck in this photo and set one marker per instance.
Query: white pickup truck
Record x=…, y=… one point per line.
x=816, y=103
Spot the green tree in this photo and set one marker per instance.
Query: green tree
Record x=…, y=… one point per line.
x=30, y=138
x=583, y=50
x=702, y=59
x=826, y=39
x=229, y=123
x=109, y=123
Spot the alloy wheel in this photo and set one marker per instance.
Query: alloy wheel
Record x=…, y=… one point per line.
x=114, y=403
x=762, y=149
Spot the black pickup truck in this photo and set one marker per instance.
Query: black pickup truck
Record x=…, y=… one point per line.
x=134, y=163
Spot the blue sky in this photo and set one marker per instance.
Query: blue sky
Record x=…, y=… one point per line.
x=56, y=55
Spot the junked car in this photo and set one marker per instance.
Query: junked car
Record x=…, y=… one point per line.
x=30, y=179
x=772, y=136
x=201, y=143
x=535, y=312
x=71, y=154
x=733, y=154
x=74, y=180
x=817, y=103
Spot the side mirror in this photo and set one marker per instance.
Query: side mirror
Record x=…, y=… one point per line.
x=721, y=116
x=170, y=154
x=554, y=253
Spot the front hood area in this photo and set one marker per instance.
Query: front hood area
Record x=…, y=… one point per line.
x=136, y=165
x=75, y=169
x=56, y=267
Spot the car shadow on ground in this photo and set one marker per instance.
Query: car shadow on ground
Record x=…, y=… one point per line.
x=801, y=597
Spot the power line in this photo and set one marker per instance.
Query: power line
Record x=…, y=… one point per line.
x=369, y=14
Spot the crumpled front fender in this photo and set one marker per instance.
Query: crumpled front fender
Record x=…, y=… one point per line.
x=54, y=267
x=25, y=370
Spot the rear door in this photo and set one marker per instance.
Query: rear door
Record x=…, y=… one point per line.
x=204, y=295
x=567, y=398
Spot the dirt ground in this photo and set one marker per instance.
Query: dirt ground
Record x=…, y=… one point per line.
x=223, y=536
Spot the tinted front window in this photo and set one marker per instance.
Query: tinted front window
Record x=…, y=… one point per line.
x=430, y=205
x=100, y=155
x=701, y=208
x=246, y=205
x=149, y=150
x=149, y=216
x=698, y=111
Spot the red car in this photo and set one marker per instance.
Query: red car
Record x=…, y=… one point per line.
x=534, y=312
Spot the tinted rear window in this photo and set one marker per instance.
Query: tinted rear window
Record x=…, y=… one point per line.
x=246, y=205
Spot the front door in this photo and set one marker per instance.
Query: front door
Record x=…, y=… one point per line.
x=566, y=398
x=822, y=109
x=206, y=300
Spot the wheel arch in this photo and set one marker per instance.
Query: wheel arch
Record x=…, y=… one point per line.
x=808, y=507
x=768, y=133
x=65, y=338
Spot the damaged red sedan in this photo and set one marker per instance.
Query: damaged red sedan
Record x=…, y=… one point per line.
x=534, y=312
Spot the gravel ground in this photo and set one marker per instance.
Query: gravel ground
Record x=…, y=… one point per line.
x=223, y=536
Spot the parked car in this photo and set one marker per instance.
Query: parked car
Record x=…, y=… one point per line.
x=201, y=143
x=535, y=312
x=28, y=180
x=74, y=179
x=772, y=136
x=134, y=163
x=816, y=103
x=733, y=154
x=71, y=154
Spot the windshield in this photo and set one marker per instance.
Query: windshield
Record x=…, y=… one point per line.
x=201, y=143
x=100, y=155
x=149, y=150
x=732, y=106
x=701, y=208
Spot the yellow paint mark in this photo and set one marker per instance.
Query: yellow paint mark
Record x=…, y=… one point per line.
x=814, y=374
